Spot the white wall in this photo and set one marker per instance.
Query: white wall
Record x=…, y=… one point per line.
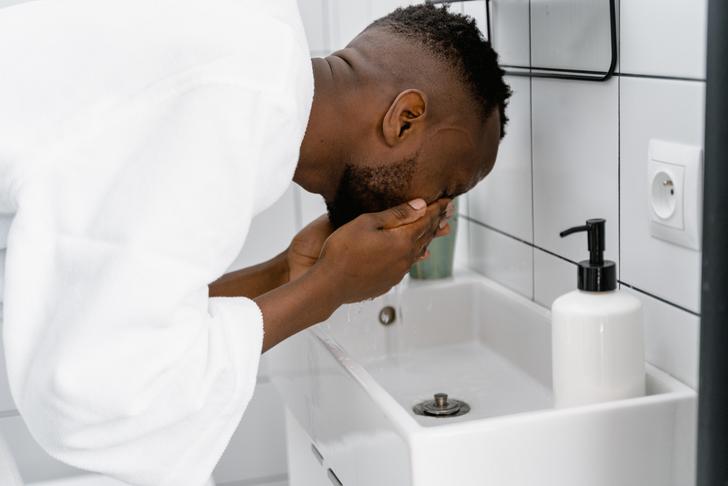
x=577, y=149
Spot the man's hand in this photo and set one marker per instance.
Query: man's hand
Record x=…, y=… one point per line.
x=305, y=248
x=368, y=256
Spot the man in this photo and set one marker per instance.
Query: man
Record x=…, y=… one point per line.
x=140, y=138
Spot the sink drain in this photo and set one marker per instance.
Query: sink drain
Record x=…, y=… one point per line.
x=441, y=406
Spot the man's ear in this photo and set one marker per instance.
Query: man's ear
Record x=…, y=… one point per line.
x=405, y=116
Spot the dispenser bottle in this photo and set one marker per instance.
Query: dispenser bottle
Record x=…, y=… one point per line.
x=597, y=335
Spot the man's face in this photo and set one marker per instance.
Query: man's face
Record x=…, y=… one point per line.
x=450, y=162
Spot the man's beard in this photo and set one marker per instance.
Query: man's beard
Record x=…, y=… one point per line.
x=370, y=190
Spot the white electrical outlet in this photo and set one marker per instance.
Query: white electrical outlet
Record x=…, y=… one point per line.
x=675, y=192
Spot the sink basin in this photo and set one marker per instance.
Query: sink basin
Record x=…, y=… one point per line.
x=350, y=384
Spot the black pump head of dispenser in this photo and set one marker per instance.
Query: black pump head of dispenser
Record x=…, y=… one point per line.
x=595, y=274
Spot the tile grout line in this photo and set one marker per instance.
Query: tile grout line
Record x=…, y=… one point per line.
x=487, y=226
x=619, y=170
x=657, y=76
x=656, y=297
x=549, y=252
x=530, y=134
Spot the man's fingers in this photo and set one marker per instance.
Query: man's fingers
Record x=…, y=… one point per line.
x=443, y=231
x=440, y=227
x=400, y=215
x=429, y=224
x=424, y=224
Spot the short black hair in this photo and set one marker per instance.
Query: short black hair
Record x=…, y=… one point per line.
x=456, y=40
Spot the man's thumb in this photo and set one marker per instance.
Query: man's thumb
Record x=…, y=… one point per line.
x=400, y=215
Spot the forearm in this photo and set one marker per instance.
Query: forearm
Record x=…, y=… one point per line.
x=252, y=281
x=297, y=305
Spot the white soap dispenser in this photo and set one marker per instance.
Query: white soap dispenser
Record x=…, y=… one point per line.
x=596, y=331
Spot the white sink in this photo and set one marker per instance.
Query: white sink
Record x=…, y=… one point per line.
x=350, y=383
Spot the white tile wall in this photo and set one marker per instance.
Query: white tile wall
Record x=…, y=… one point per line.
x=502, y=258
x=503, y=199
x=462, y=239
x=664, y=37
x=510, y=29
x=672, y=338
x=571, y=34
x=574, y=163
x=476, y=10
x=667, y=110
x=588, y=156
x=552, y=277
x=462, y=243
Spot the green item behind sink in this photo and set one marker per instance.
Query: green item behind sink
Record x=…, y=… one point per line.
x=442, y=254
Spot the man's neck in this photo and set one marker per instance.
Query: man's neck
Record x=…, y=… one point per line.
x=320, y=161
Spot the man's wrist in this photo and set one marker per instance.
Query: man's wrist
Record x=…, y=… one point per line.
x=281, y=268
x=297, y=305
x=320, y=285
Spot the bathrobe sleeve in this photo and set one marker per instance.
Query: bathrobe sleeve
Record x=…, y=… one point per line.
x=118, y=360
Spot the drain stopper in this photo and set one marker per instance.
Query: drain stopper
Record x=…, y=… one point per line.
x=441, y=406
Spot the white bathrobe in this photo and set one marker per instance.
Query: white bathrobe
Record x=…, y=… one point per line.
x=137, y=140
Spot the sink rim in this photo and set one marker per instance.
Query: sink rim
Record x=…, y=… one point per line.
x=408, y=426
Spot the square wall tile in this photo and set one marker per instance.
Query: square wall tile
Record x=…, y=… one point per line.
x=575, y=167
x=476, y=10
x=503, y=199
x=510, y=26
x=270, y=232
x=672, y=338
x=571, y=34
x=313, y=14
x=462, y=239
x=553, y=277
x=501, y=258
x=671, y=111
x=464, y=204
x=664, y=37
